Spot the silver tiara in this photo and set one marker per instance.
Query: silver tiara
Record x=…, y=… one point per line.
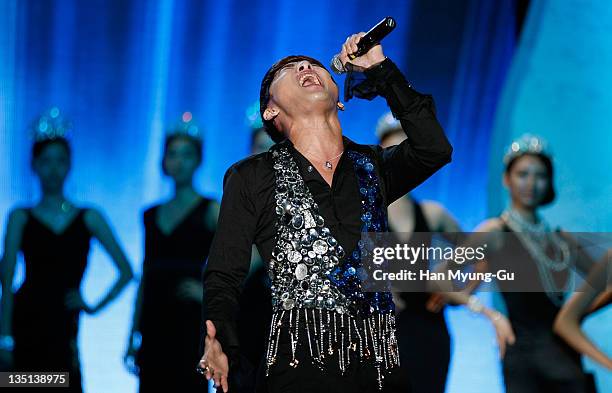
x=526, y=144
x=185, y=127
x=386, y=124
x=50, y=125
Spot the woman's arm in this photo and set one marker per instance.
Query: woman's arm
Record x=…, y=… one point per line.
x=134, y=339
x=567, y=323
x=137, y=310
x=503, y=328
x=601, y=301
x=12, y=242
x=102, y=231
x=487, y=232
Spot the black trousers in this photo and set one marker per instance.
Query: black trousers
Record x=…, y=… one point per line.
x=307, y=377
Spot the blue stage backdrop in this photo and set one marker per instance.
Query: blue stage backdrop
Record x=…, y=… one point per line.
x=123, y=71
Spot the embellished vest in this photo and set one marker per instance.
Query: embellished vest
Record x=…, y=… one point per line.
x=317, y=291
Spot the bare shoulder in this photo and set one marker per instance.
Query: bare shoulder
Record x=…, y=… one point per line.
x=492, y=225
x=433, y=207
x=439, y=217
x=490, y=232
x=17, y=217
x=94, y=219
x=15, y=225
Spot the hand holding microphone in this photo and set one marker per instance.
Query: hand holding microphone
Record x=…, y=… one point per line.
x=363, y=50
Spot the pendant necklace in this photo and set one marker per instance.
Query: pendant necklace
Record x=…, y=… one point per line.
x=328, y=163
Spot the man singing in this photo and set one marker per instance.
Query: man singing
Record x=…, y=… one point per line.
x=304, y=204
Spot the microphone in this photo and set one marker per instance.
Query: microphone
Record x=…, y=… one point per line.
x=370, y=39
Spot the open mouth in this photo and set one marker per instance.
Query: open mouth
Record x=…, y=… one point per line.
x=309, y=78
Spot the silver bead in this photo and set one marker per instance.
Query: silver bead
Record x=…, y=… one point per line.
x=288, y=304
x=294, y=256
x=301, y=271
x=320, y=247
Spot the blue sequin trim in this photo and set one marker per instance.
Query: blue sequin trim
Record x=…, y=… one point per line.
x=346, y=276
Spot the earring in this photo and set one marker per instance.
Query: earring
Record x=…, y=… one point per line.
x=271, y=113
x=340, y=106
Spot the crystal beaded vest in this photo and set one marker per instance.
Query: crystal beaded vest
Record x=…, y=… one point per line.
x=316, y=289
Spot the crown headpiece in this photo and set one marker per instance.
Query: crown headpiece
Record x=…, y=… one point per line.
x=386, y=124
x=185, y=127
x=526, y=144
x=50, y=125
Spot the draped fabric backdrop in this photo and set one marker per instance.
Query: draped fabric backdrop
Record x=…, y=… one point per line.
x=560, y=87
x=123, y=71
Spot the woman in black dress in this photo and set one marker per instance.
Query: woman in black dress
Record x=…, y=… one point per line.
x=521, y=241
x=178, y=234
x=53, y=236
x=423, y=338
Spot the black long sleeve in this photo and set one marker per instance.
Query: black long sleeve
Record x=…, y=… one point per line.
x=426, y=149
x=248, y=215
x=229, y=259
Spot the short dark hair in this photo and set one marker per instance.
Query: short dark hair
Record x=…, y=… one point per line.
x=196, y=142
x=264, y=92
x=39, y=146
x=550, y=193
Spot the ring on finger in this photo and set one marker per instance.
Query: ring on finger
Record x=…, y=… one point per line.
x=202, y=370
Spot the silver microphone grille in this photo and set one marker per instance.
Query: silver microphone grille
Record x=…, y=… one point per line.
x=336, y=65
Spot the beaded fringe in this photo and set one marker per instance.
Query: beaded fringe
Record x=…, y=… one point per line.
x=329, y=332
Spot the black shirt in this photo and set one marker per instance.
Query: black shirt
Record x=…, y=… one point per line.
x=248, y=214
